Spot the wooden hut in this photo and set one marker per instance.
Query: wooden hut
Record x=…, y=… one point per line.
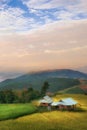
x=67, y=103
x=46, y=101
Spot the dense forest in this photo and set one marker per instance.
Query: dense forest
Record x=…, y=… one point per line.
x=23, y=96
x=26, y=94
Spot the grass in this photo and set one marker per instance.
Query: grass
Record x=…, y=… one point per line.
x=72, y=90
x=11, y=111
x=54, y=120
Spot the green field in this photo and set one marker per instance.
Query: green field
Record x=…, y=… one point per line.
x=54, y=120
x=72, y=90
x=11, y=111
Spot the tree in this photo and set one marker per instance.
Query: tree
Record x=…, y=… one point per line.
x=29, y=94
x=9, y=96
x=44, y=88
x=30, y=89
x=2, y=97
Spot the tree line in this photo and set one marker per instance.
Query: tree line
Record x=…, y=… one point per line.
x=22, y=96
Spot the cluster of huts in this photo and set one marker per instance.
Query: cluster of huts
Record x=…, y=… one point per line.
x=67, y=103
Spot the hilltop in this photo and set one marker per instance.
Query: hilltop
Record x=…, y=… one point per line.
x=58, y=80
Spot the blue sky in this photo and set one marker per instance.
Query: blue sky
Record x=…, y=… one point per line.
x=35, y=13
x=43, y=34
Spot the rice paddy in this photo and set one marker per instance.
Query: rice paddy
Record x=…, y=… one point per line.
x=54, y=120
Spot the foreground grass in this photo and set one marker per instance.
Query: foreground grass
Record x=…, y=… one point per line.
x=11, y=111
x=54, y=120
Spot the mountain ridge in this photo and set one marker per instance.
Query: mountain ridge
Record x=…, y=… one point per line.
x=36, y=79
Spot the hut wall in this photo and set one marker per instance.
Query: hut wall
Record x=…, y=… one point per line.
x=44, y=104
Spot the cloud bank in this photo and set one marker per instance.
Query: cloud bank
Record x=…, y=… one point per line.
x=57, y=45
x=42, y=34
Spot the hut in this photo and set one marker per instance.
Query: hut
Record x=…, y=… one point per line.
x=67, y=103
x=46, y=101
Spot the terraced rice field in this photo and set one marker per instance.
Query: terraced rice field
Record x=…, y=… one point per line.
x=54, y=120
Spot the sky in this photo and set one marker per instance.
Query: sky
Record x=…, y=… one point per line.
x=43, y=34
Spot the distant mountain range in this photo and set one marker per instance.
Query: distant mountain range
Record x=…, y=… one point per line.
x=7, y=75
x=83, y=69
x=58, y=80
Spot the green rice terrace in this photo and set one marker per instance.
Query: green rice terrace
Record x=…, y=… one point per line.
x=11, y=111
x=29, y=117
